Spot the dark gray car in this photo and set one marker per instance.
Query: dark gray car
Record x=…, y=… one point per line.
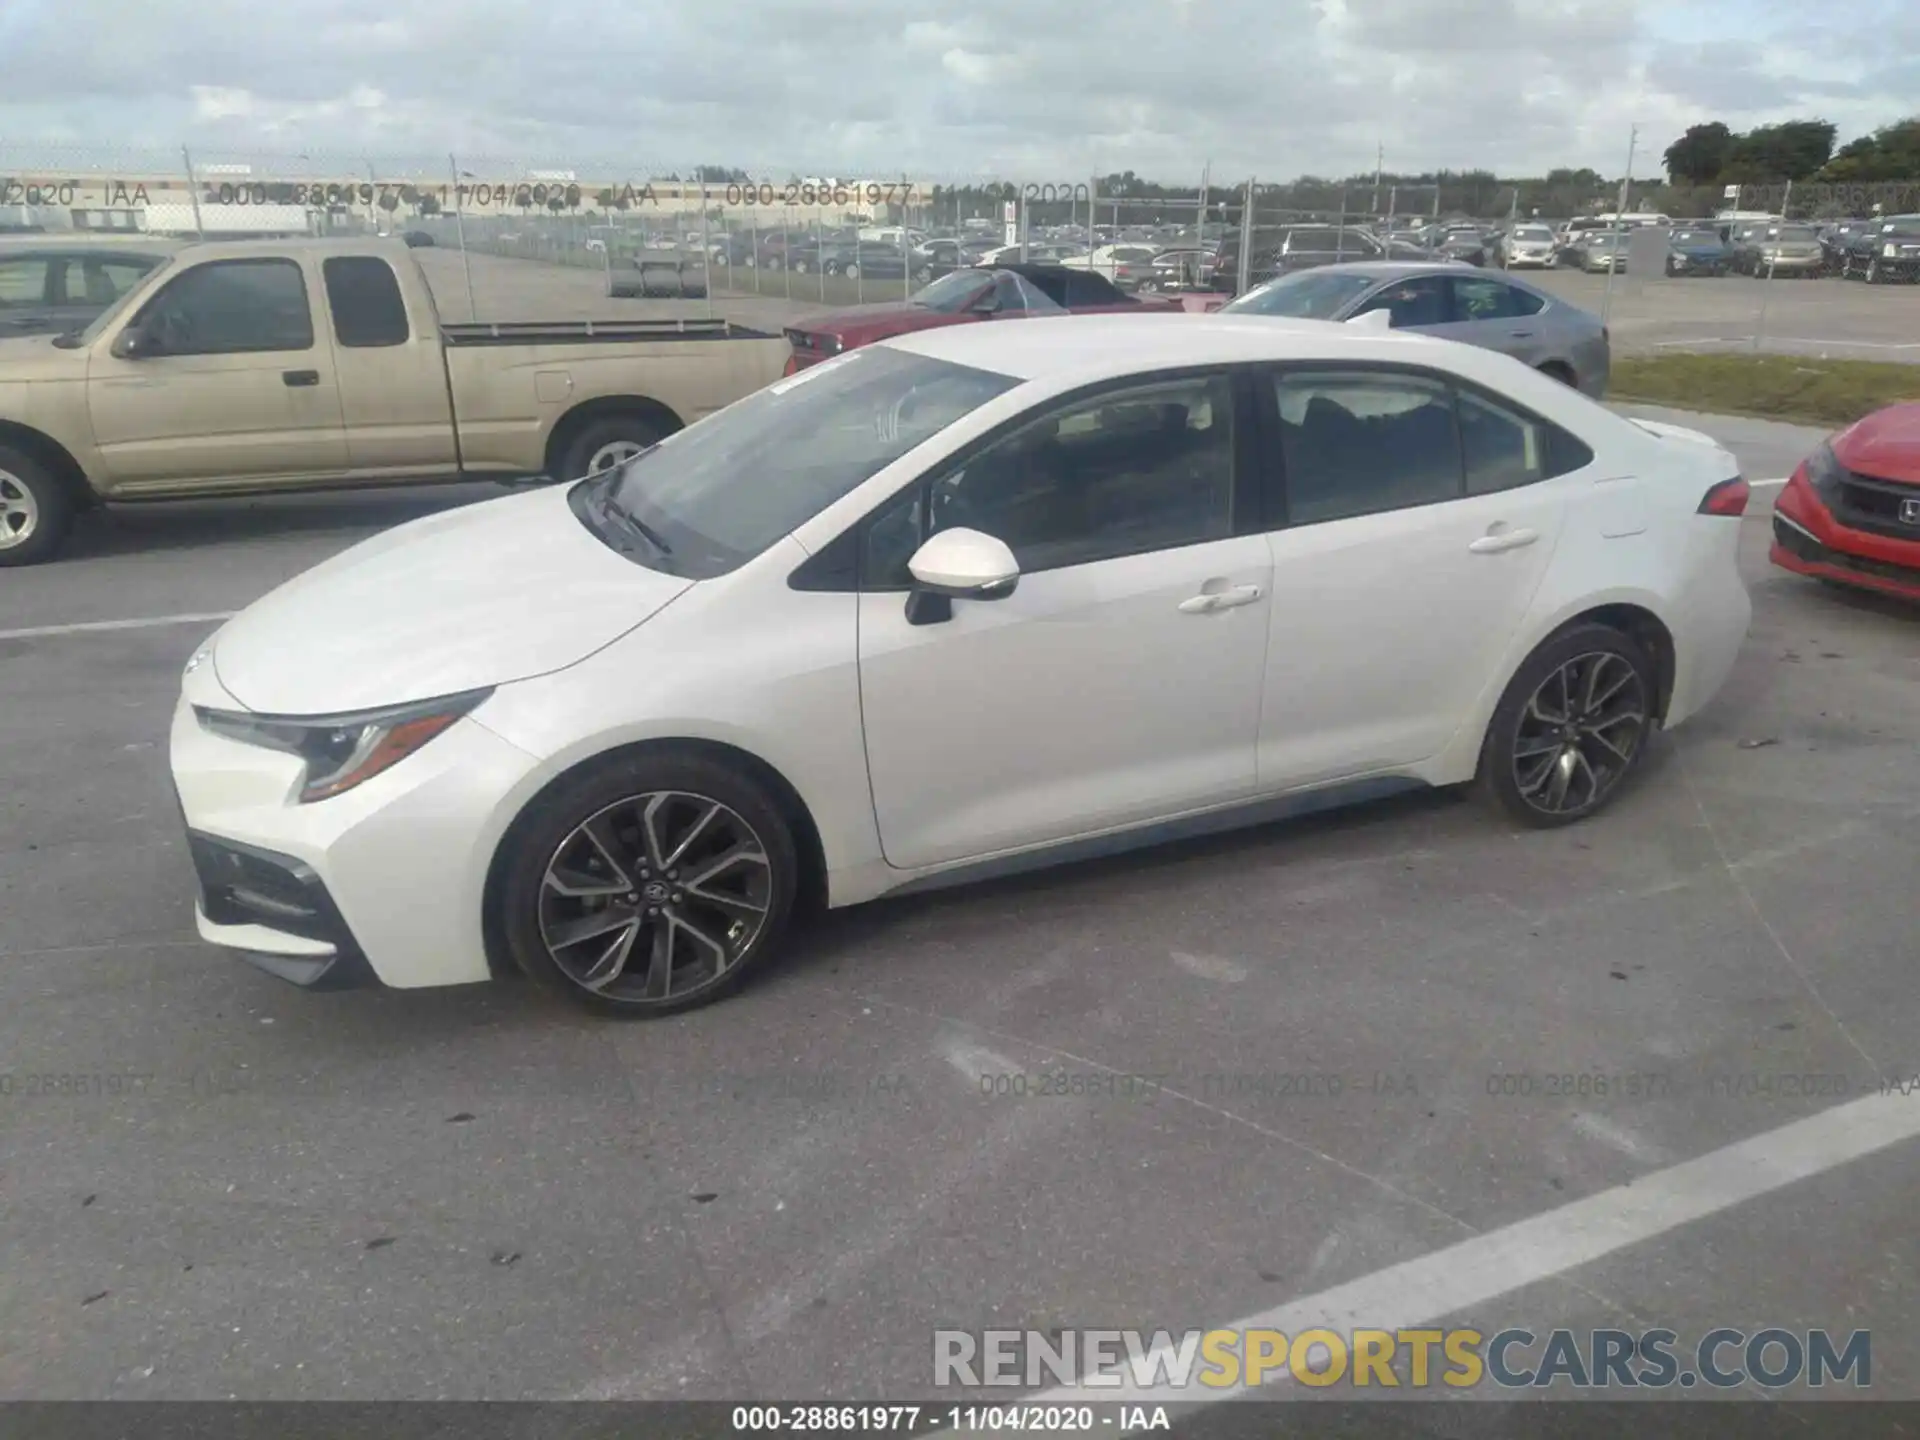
x=1449, y=302
x=50, y=288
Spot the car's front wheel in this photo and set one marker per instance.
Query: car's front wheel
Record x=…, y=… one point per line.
x=1570, y=728
x=648, y=884
x=36, y=509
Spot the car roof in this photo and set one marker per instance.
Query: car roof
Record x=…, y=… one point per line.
x=38, y=246
x=1093, y=347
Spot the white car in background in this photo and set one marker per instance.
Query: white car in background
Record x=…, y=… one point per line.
x=1127, y=266
x=1529, y=246
x=972, y=600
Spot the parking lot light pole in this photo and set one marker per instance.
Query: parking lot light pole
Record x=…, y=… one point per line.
x=193, y=193
x=1247, y=217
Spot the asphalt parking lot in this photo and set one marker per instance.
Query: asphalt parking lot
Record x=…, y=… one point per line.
x=215, y=1185
x=1827, y=317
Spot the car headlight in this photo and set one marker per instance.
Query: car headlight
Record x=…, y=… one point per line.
x=342, y=751
x=1825, y=472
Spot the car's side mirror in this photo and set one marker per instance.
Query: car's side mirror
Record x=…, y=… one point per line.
x=133, y=343
x=958, y=564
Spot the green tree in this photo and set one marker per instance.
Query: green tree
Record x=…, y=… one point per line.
x=1794, y=150
x=1891, y=153
x=1698, y=157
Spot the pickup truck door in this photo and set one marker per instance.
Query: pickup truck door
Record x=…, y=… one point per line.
x=392, y=371
x=231, y=383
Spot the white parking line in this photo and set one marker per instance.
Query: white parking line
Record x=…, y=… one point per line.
x=1500, y=1262
x=145, y=622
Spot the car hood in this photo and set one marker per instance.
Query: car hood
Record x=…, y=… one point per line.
x=486, y=594
x=863, y=324
x=1886, y=445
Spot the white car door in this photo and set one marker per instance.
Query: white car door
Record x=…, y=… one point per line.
x=1420, y=521
x=1120, y=681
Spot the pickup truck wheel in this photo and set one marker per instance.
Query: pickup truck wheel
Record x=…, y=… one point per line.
x=607, y=443
x=36, y=509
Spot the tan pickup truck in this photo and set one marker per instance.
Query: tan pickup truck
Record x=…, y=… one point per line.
x=257, y=366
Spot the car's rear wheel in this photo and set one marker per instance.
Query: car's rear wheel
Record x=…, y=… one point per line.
x=649, y=884
x=36, y=509
x=1555, y=370
x=1570, y=728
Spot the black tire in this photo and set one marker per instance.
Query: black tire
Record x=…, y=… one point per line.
x=537, y=843
x=634, y=429
x=36, y=509
x=1583, y=650
x=1554, y=370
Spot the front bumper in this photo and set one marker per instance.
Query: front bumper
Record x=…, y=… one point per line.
x=383, y=884
x=1808, y=540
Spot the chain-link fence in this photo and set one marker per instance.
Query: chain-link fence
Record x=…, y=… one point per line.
x=513, y=238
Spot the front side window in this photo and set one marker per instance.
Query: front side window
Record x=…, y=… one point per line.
x=229, y=307
x=714, y=495
x=1148, y=467
x=1419, y=301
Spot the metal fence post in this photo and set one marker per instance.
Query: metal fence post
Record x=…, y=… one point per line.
x=1760, y=320
x=193, y=194
x=1340, y=235
x=1433, y=228
x=706, y=246
x=1619, y=224
x=1093, y=198
x=460, y=228
x=1248, y=217
x=820, y=256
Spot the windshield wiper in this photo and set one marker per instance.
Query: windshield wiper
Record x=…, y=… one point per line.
x=613, y=510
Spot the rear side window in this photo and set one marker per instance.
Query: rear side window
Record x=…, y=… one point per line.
x=1504, y=448
x=364, y=295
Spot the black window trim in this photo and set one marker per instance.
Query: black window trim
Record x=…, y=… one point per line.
x=306, y=294
x=1272, y=462
x=833, y=569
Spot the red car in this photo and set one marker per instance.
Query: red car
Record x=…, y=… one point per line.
x=991, y=292
x=1851, y=512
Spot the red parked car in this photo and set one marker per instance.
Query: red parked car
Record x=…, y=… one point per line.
x=990, y=292
x=1851, y=512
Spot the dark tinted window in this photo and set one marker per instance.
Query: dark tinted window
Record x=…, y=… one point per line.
x=364, y=295
x=1084, y=287
x=1146, y=468
x=101, y=281
x=1504, y=447
x=1478, y=299
x=1361, y=442
x=1421, y=300
x=230, y=307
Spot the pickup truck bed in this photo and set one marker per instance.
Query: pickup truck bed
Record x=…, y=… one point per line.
x=260, y=366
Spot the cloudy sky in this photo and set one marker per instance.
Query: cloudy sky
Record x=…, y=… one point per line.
x=1017, y=89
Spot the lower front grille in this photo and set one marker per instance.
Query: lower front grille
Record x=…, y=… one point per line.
x=240, y=885
x=1798, y=543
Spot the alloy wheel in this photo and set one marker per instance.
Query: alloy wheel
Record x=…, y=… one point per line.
x=19, y=511
x=613, y=453
x=1580, y=733
x=654, y=897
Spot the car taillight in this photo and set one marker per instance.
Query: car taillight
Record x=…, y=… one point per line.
x=1729, y=497
x=792, y=366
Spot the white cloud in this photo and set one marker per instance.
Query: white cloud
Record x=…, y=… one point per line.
x=1019, y=89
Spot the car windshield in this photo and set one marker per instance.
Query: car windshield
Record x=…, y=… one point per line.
x=1696, y=237
x=714, y=495
x=1533, y=233
x=1794, y=234
x=1304, y=295
x=951, y=294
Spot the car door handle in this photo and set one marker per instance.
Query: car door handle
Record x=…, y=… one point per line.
x=300, y=377
x=1520, y=334
x=1504, y=540
x=1208, y=601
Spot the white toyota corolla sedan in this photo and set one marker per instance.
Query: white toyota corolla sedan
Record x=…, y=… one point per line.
x=960, y=603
